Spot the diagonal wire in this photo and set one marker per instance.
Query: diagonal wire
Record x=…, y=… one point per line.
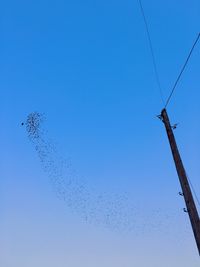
x=152, y=51
x=194, y=192
x=182, y=70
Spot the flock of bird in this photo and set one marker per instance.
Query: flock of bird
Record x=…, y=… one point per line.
x=108, y=209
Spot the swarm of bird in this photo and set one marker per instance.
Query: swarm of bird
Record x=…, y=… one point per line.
x=33, y=124
x=112, y=210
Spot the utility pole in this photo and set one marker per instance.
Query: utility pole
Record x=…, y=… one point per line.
x=186, y=191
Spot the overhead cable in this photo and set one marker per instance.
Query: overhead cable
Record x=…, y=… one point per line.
x=152, y=51
x=182, y=70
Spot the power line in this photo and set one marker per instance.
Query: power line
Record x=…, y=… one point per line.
x=194, y=192
x=182, y=70
x=152, y=51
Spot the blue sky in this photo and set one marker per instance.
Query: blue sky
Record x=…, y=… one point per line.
x=86, y=65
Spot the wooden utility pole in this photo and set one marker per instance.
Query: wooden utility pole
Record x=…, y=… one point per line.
x=186, y=191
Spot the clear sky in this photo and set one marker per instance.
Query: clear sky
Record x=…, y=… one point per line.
x=86, y=66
